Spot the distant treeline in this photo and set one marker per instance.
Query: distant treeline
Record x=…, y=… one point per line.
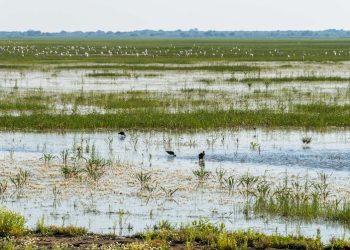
x=193, y=33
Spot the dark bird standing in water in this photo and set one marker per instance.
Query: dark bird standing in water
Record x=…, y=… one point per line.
x=171, y=153
x=122, y=133
x=201, y=156
x=254, y=132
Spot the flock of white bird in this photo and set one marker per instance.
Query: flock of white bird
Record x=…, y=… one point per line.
x=195, y=51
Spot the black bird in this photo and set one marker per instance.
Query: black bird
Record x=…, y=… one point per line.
x=201, y=156
x=171, y=153
x=122, y=133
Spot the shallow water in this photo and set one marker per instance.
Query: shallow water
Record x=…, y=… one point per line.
x=77, y=80
x=115, y=203
x=178, y=85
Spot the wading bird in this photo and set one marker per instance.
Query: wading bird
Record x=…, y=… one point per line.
x=201, y=156
x=122, y=133
x=171, y=153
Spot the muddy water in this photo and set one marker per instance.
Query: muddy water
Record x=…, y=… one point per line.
x=115, y=203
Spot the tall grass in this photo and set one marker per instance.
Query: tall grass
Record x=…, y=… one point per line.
x=303, y=199
x=153, y=119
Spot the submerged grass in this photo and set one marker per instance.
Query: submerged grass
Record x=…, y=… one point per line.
x=35, y=101
x=185, y=109
x=40, y=102
x=109, y=74
x=17, y=105
x=138, y=67
x=292, y=79
x=306, y=200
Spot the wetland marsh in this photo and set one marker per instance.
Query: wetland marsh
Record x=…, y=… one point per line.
x=271, y=116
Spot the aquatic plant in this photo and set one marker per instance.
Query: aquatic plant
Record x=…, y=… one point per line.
x=3, y=188
x=79, y=152
x=247, y=183
x=263, y=189
x=304, y=200
x=306, y=140
x=56, y=192
x=143, y=178
x=109, y=74
x=230, y=183
x=309, y=78
x=220, y=173
x=70, y=171
x=47, y=158
x=64, y=156
x=20, y=179
x=201, y=173
x=94, y=168
x=254, y=146
x=322, y=187
x=181, y=121
x=151, y=189
x=169, y=192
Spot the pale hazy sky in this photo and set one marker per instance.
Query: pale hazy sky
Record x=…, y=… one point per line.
x=116, y=15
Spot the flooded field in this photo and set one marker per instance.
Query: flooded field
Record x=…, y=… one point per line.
x=260, y=144
x=119, y=80
x=273, y=87
x=116, y=203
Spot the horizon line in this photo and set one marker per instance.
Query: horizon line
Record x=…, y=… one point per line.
x=174, y=30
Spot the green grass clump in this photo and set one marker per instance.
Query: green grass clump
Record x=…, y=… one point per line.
x=303, y=200
x=13, y=66
x=127, y=100
x=309, y=208
x=11, y=223
x=292, y=79
x=35, y=101
x=16, y=105
x=338, y=244
x=65, y=231
x=108, y=74
x=321, y=108
x=217, y=237
x=41, y=228
x=207, y=81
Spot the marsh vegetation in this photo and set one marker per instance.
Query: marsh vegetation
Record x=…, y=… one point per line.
x=272, y=117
